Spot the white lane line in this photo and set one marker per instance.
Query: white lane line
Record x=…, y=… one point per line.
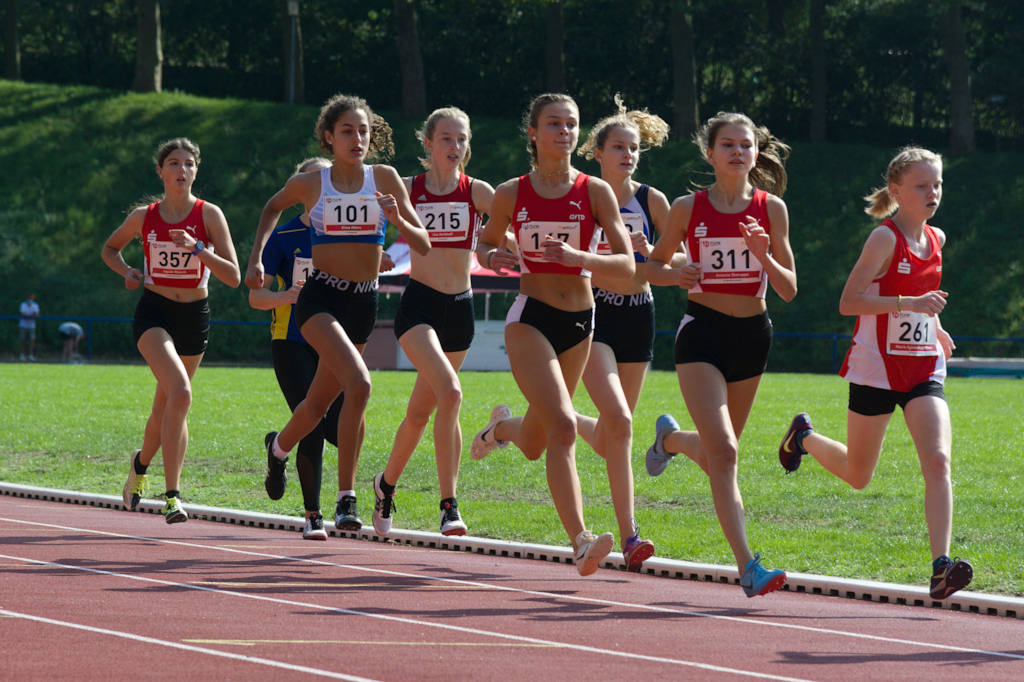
x=405, y=621
x=549, y=595
x=185, y=647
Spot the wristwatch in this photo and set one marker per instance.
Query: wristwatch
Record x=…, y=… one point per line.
x=199, y=247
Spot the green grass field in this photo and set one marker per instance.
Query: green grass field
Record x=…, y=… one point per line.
x=72, y=426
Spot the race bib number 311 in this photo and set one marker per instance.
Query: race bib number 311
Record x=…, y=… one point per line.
x=911, y=333
x=727, y=260
x=351, y=215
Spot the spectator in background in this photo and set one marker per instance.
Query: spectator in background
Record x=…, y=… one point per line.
x=29, y=310
x=71, y=333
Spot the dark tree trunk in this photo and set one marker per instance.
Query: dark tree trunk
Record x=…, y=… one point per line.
x=819, y=82
x=291, y=42
x=961, y=124
x=12, y=45
x=149, y=55
x=684, y=71
x=410, y=58
x=554, y=55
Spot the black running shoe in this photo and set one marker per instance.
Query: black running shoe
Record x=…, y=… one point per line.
x=790, y=452
x=451, y=520
x=276, y=479
x=949, y=575
x=345, y=515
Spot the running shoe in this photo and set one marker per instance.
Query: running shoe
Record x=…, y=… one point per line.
x=173, y=511
x=791, y=451
x=949, y=575
x=636, y=551
x=591, y=550
x=136, y=486
x=481, y=446
x=276, y=479
x=345, y=515
x=758, y=580
x=657, y=457
x=314, y=529
x=451, y=520
x=383, y=508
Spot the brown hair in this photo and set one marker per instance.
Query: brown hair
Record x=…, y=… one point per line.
x=426, y=132
x=381, y=142
x=769, y=171
x=165, y=149
x=532, y=117
x=306, y=165
x=880, y=202
x=651, y=128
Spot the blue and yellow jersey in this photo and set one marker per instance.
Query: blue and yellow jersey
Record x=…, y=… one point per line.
x=287, y=257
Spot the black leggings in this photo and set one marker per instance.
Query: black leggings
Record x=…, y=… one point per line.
x=294, y=365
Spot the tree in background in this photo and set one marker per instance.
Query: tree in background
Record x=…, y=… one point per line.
x=684, y=72
x=410, y=59
x=149, y=59
x=554, y=53
x=819, y=82
x=12, y=48
x=291, y=43
x=961, y=123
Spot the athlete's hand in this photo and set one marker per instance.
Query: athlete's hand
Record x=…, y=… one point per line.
x=132, y=279
x=501, y=260
x=183, y=240
x=254, y=276
x=931, y=303
x=638, y=241
x=557, y=251
x=386, y=262
x=946, y=341
x=689, y=276
x=757, y=238
x=292, y=294
x=389, y=205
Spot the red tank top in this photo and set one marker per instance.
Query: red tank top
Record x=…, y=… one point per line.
x=899, y=350
x=714, y=240
x=166, y=264
x=451, y=220
x=569, y=218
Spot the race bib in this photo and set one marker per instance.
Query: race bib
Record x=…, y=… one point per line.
x=727, y=260
x=445, y=221
x=912, y=334
x=168, y=261
x=301, y=269
x=351, y=215
x=634, y=223
x=532, y=236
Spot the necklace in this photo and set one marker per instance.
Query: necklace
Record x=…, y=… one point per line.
x=553, y=174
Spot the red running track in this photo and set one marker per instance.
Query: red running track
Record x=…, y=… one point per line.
x=95, y=593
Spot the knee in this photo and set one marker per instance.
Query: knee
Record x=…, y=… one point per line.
x=859, y=481
x=617, y=427
x=561, y=432
x=449, y=398
x=358, y=391
x=935, y=465
x=722, y=455
x=179, y=398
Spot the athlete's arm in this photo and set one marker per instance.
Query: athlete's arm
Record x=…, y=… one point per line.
x=488, y=248
x=221, y=260
x=302, y=188
x=394, y=201
x=111, y=252
x=773, y=249
x=265, y=299
x=620, y=263
x=873, y=262
x=664, y=267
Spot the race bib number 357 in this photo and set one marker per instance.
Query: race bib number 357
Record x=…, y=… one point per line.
x=166, y=260
x=351, y=215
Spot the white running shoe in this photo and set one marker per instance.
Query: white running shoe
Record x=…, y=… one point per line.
x=383, y=508
x=451, y=520
x=591, y=550
x=314, y=529
x=481, y=446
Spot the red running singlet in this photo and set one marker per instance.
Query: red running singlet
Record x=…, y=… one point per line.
x=451, y=220
x=714, y=240
x=166, y=264
x=568, y=218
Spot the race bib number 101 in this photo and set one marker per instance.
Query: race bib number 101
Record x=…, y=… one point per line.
x=351, y=215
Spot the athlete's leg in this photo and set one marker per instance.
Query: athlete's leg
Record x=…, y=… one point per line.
x=548, y=382
x=613, y=433
x=854, y=462
x=927, y=418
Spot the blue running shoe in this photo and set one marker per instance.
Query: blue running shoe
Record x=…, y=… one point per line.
x=758, y=580
x=791, y=450
x=657, y=457
x=949, y=575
